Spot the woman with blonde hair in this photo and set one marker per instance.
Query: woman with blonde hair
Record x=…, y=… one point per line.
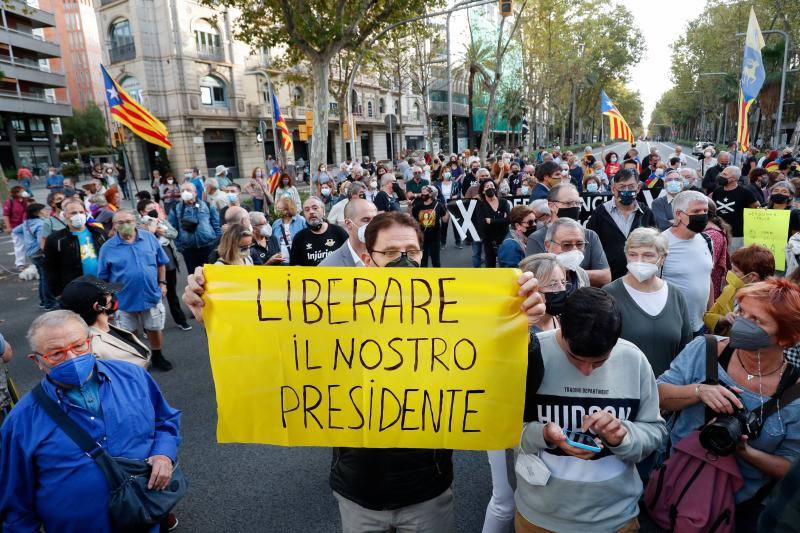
x=234, y=246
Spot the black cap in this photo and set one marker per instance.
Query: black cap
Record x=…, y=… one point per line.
x=86, y=290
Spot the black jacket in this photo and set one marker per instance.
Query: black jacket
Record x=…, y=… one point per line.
x=390, y=478
x=62, y=257
x=710, y=179
x=613, y=239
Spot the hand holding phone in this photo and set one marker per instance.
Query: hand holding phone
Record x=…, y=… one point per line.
x=554, y=436
x=606, y=426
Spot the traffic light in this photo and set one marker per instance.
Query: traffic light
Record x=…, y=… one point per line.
x=505, y=8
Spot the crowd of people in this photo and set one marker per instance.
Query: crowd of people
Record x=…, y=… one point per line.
x=629, y=311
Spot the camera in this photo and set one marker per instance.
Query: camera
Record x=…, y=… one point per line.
x=721, y=435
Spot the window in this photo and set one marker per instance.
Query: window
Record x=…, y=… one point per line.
x=132, y=87
x=370, y=111
x=120, y=37
x=212, y=92
x=207, y=39
x=298, y=97
x=333, y=107
x=397, y=107
x=381, y=106
x=18, y=124
x=36, y=125
x=416, y=111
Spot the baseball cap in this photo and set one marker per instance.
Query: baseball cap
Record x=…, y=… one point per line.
x=86, y=290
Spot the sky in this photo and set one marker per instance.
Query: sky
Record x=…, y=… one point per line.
x=661, y=23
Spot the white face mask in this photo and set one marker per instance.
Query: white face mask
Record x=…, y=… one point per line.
x=362, y=233
x=525, y=190
x=659, y=172
x=373, y=185
x=265, y=231
x=570, y=260
x=77, y=220
x=642, y=271
x=187, y=196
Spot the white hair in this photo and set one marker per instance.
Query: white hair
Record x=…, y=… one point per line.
x=256, y=217
x=540, y=207
x=212, y=183
x=736, y=171
x=552, y=229
x=683, y=199
x=647, y=237
x=52, y=320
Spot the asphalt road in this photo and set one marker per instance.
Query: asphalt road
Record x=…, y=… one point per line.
x=235, y=487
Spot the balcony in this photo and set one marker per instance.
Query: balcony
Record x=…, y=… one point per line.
x=29, y=41
x=39, y=18
x=34, y=104
x=30, y=70
x=210, y=52
x=121, y=52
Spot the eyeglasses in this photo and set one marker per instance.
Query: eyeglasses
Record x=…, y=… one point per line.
x=57, y=356
x=392, y=255
x=556, y=286
x=628, y=188
x=576, y=203
x=569, y=246
x=127, y=221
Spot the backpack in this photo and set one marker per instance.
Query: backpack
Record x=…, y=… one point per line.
x=694, y=491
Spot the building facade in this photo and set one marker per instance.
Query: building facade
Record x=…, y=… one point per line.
x=76, y=31
x=29, y=106
x=179, y=59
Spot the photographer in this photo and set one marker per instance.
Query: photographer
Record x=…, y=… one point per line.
x=751, y=369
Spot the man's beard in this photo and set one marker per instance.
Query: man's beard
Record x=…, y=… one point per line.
x=315, y=223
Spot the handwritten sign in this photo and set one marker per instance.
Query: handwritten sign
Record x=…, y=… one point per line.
x=367, y=357
x=769, y=228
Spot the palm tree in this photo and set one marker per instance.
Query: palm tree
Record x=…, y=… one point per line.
x=512, y=108
x=476, y=66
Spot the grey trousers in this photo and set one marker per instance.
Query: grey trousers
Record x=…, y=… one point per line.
x=432, y=516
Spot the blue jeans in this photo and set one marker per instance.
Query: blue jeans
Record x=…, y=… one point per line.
x=45, y=296
x=477, y=250
x=258, y=205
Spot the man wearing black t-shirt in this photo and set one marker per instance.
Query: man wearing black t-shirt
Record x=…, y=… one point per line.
x=430, y=215
x=313, y=244
x=731, y=200
x=470, y=178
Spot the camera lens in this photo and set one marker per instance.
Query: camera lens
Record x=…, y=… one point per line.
x=721, y=436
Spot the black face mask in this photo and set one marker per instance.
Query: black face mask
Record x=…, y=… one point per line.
x=152, y=213
x=489, y=193
x=403, y=261
x=58, y=205
x=779, y=199
x=697, y=223
x=529, y=230
x=569, y=212
x=722, y=181
x=554, y=302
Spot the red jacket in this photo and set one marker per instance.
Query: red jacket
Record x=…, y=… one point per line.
x=15, y=209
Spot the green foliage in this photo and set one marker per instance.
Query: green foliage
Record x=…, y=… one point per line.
x=88, y=126
x=70, y=170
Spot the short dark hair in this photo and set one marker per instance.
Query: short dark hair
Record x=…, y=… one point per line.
x=546, y=169
x=51, y=198
x=386, y=220
x=591, y=322
x=625, y=174
x=756, y=173
x=144, y=195
x=33, y=210
x=518, y=214
x=674, y=160
x=629, y=162
x=755, y=258
x=141, y=204
x=483, y=183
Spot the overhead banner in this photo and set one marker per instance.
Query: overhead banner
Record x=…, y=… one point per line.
x=769, y=228
x=367, y=357
x=463, y=211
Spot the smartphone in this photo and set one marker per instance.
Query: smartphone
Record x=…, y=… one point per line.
x=584, y=441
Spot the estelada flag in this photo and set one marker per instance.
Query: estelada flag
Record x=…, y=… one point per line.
x=125, y=110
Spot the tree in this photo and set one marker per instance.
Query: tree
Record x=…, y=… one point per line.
x=494, y=80
x=88, y=126
x=315, y=31
x=475, y=68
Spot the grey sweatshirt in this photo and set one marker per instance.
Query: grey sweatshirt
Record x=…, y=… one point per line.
x=600, y=494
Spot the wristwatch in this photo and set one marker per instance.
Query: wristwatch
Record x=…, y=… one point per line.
x=162, y=282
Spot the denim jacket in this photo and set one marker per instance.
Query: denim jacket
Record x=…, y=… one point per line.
x=208, y=229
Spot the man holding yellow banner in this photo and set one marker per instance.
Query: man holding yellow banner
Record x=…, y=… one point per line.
x=394, y=367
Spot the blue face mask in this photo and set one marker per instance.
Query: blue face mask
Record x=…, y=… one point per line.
x=674, y=187
x=73, y=372
x=627, y=197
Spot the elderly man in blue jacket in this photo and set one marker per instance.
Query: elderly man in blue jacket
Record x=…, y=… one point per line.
x=46, y=480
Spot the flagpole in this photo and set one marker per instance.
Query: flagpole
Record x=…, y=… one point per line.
x=127, y=164
x=279, y=156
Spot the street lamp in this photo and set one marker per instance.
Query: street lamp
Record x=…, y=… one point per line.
x=776, y=134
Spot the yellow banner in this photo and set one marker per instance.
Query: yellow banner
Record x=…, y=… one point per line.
x=367, y=357
x=769, y=228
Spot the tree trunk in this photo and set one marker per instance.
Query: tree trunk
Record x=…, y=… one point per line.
x=498, y=72
x=796, y=134
x=342, y=106
x=470, y=108
x=320, y=71
x=401, y=126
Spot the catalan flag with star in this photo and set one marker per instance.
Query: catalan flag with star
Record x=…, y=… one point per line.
x=280, y=125
x=125, y=110
x=619, y=129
